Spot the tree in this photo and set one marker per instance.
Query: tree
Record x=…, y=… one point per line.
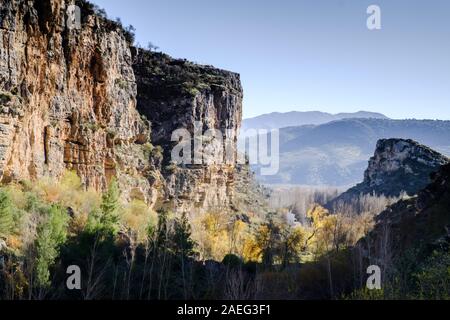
x=6, y=214
x=292, y=242
x=162, y=229
x=97, y=242
x=183, y=245
x=130, y=34
x=152, y=47
x=268, y=239
x=51, y=234
x=110, y=206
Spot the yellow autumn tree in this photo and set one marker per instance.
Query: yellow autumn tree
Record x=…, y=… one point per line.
x=210, y=232
x=322, y=230
x=137, y=217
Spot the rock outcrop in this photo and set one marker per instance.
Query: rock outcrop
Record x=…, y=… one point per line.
x=397, y=166
x=177, y=94
x=68, y=98
x=418, y=225
x=84, y=99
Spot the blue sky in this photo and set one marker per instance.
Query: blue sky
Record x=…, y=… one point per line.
x=310, y=55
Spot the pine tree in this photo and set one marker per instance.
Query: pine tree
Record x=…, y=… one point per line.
x=183, y=245
x=161, y=231
x=110, y=207
x=6, y=214
x=183, y=248
x=51, y=234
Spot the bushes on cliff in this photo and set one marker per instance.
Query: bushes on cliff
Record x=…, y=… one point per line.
x=5, y=97
x=88, y=9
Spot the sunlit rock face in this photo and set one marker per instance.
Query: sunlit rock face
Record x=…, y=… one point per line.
x=395, y=157
x=82, y=98
x=398, y=166
x=177, y=94
x=68, y=97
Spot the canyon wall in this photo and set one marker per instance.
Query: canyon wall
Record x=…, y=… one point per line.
x=68, y=98
x=84, y=99
x=177, y=94
x=397, y=166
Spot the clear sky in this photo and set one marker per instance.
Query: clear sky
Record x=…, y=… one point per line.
x=310, y=55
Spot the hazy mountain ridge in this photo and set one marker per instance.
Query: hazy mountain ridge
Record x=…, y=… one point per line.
x=397, y=166
x=277, y=120
x=107, y=109
x=336, y=153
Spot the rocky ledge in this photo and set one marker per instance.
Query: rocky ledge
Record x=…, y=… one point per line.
x=397, y=166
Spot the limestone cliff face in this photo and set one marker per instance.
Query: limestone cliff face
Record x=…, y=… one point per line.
x=402, y=158
x=83, y=99
x=397, y=166
x=68, y=98
x=177, y=94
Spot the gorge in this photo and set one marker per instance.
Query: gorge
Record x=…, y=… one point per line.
x=89, y=125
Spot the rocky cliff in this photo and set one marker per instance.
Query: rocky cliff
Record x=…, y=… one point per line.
x=83, y=99
x=177, y=94
x=68, y=98
x=414, y=227
x=397, y=166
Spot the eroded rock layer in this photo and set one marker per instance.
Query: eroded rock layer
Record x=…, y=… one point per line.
x=177, y=94
x=83, y=99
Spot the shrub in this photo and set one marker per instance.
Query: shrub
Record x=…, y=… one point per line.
x=171, y=168
x=148, y=149
x=6, y=214
x=5, y=97
x=232, y=261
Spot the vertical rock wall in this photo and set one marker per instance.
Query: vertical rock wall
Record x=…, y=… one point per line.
x=82, y=99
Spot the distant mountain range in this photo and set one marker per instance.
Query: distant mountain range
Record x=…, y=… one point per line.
x=278, y=120
x=337, y=153
x=397, y=166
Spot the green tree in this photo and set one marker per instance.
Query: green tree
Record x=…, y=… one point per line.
x=110, y=207
x=183, y=248
x=183, y=245
x=161, y=230
x=6, y=214
x=51, y=234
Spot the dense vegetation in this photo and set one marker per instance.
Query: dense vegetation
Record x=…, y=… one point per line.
x=127, y=251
